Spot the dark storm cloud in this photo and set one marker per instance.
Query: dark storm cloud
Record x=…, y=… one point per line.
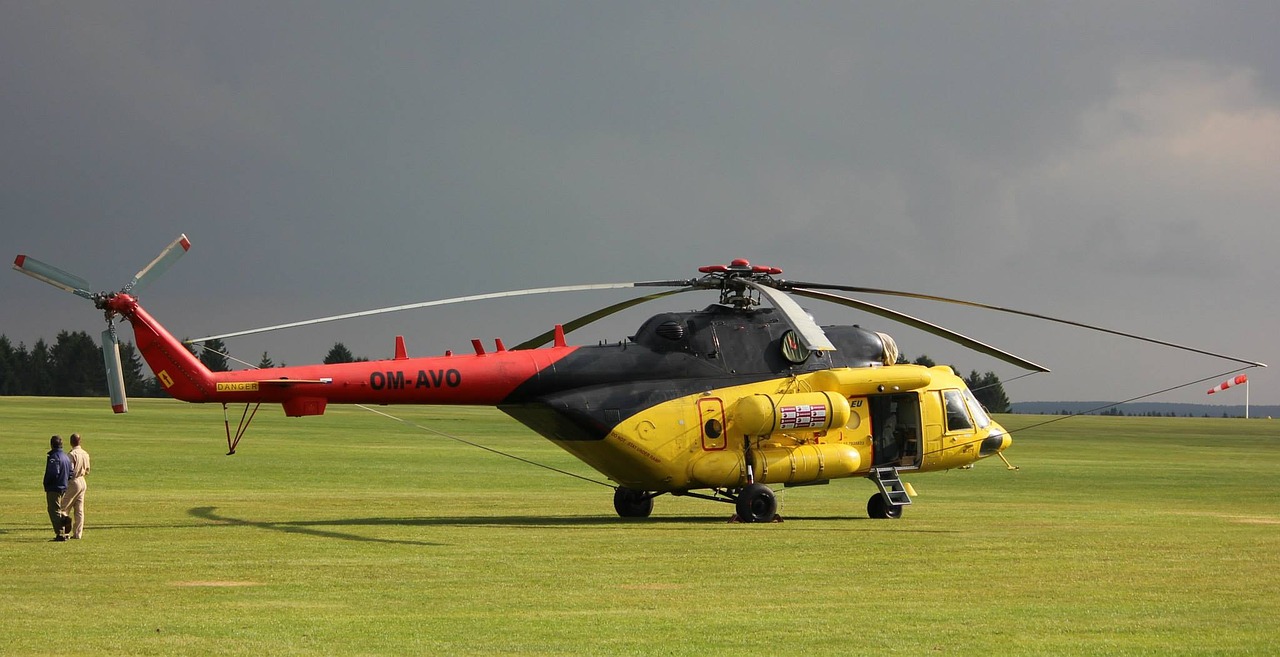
x=1110, y=162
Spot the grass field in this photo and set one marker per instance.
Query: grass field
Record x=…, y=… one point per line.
x=353, y=534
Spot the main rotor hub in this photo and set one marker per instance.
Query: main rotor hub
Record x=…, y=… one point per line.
x=730, y=280
x=740, y=267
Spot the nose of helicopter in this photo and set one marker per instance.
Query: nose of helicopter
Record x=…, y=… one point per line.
x=997, y=440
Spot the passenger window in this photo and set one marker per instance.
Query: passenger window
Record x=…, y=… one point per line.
x=957, y=414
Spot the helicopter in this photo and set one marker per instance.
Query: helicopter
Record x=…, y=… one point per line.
x=722, y=404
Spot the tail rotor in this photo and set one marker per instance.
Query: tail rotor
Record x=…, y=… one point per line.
x=78, y=286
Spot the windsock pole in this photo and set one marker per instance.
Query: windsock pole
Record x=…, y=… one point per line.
x=1242, y=379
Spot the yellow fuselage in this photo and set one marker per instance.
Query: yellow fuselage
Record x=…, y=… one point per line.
x=794, y=430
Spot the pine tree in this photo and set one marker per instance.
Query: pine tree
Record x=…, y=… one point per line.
x=339, y=354
x=7, y=354
x=214, y=356
x=135, y=384
x=39, y=370
x=77, y=366
x=988, y=390
x=993, y=396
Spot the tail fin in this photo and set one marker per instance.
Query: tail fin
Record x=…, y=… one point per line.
x=178, y=371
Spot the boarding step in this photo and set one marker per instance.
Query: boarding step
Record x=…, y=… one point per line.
x=891, y=486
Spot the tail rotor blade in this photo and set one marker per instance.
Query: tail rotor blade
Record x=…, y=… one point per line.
x=158, y=266
x=115, y=372
x=53, y=276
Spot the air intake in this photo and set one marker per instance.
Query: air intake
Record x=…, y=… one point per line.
x=671, y=330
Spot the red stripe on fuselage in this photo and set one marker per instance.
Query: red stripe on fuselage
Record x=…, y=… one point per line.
x=485, y=380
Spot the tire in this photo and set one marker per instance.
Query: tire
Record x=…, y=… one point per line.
x=756, y=503
x=878, y=507
x=632, y=503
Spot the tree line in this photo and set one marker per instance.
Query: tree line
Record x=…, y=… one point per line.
x=73, y=367
x=985, y=387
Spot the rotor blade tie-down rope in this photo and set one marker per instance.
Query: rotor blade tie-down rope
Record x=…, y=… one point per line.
x=416, y=425
x=1001, y=383
x=487, y=449
x=1133, y=399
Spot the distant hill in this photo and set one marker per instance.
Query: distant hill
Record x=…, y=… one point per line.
x=1142, y=409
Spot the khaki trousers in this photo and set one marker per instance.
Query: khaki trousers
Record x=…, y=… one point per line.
x=73, y=500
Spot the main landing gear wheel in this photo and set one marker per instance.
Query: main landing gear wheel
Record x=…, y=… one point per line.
x=879, y=507
x=632, y=503
x=756, y=503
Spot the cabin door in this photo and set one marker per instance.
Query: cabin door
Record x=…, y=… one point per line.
x=895, y=430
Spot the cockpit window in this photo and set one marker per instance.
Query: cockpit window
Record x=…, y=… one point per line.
x=975, y=407
x=957, y=414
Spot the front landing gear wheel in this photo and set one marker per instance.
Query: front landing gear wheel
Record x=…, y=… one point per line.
x=756, y=503
x=632, y=503
x=878, y=507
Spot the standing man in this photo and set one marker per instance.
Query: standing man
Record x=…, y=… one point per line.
x=56, y=472
x=73, y=500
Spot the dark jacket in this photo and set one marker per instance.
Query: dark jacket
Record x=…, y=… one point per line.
x=56, y=471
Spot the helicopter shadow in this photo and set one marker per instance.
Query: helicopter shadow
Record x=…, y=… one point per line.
x=209, y=513
x=315, y=528
x=320, y=528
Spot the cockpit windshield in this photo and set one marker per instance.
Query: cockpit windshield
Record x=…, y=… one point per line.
x=975, y=408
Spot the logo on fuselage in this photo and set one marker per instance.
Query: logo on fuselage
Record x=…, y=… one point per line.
x=802, y=416
x=396, y=380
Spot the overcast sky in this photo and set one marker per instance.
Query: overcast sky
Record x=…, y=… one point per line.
x=1112, y=163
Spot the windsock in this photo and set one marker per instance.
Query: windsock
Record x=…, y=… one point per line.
x=1227, y=384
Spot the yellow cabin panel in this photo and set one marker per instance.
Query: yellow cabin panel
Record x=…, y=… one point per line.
x=798, y=433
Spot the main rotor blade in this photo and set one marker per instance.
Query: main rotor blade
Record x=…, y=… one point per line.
x=53, y=276
x=538, y=341
x=980, y=347
x=974, y=304
x=439, y=302
x=158, y=266
x=811, y=335
x=115, y=373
